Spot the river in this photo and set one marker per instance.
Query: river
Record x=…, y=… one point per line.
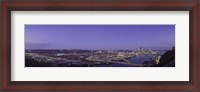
x=135, y=60
x=140, y=59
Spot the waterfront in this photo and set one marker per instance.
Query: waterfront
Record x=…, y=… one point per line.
x=92, y=58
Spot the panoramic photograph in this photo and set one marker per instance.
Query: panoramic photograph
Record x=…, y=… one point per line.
x=99, y=45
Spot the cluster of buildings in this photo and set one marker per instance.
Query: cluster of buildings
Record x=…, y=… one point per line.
x=95, y=56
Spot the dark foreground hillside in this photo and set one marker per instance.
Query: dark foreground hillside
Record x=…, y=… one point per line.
x=167, y=59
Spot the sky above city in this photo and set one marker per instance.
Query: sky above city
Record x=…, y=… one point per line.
x=99, y=37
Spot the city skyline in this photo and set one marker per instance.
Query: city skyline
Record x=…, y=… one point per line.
x=99, y=37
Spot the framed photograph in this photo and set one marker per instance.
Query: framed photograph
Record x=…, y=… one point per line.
x=100, y=45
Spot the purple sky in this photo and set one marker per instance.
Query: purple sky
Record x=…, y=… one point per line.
x=108, y=37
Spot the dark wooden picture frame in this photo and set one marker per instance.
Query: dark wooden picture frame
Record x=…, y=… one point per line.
x=99, y=5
